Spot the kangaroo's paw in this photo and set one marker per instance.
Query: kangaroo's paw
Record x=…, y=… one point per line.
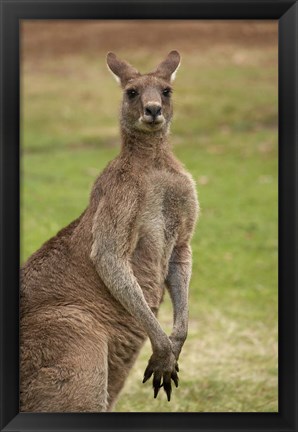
x=164, y=369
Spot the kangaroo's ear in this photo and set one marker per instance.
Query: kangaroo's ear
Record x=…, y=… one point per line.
x=120, y=69
x=167, y=69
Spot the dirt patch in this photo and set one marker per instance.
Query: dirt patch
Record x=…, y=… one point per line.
x=60, y=38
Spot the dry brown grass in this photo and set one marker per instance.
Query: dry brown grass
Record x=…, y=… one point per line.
x=59, y=38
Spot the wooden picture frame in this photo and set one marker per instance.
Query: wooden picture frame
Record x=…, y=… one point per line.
x=286, y=12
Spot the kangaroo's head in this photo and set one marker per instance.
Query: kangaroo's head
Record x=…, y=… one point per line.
x=146, y=104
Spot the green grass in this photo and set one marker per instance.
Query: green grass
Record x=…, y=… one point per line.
x=225, y=132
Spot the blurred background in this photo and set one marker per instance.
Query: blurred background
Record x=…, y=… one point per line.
x=224, y=130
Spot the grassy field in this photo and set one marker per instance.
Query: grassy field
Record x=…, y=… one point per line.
x=225, y=131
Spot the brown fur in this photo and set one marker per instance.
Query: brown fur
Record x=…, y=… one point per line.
x=89, y=296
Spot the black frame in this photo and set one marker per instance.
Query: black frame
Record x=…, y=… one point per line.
x=286, y=11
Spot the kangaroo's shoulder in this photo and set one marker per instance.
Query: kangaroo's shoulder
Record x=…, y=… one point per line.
x=117, y=181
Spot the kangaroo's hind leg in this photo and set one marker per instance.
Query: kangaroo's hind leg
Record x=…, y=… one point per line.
x=64, y=365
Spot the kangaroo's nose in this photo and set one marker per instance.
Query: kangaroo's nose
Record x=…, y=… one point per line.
x=153, y=110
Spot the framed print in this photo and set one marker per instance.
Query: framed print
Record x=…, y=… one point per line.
x=81, y=325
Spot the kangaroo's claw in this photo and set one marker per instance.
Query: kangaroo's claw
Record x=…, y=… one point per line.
x=156, y=383
x=175, y=378
x=167, y=385
x=148, y=373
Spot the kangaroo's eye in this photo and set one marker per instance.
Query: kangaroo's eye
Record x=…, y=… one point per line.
x=167, y=92
x=131, y=93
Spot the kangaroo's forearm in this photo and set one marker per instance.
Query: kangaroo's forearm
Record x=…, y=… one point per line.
x=177, y=282
x=121, y=282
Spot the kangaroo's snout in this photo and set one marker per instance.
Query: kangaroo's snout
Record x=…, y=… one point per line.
x=152, y=115
x=153, y=110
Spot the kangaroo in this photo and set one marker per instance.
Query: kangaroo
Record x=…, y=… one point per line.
x=89, y=296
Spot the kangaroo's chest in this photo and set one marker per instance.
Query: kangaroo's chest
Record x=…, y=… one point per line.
x=169, y=204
